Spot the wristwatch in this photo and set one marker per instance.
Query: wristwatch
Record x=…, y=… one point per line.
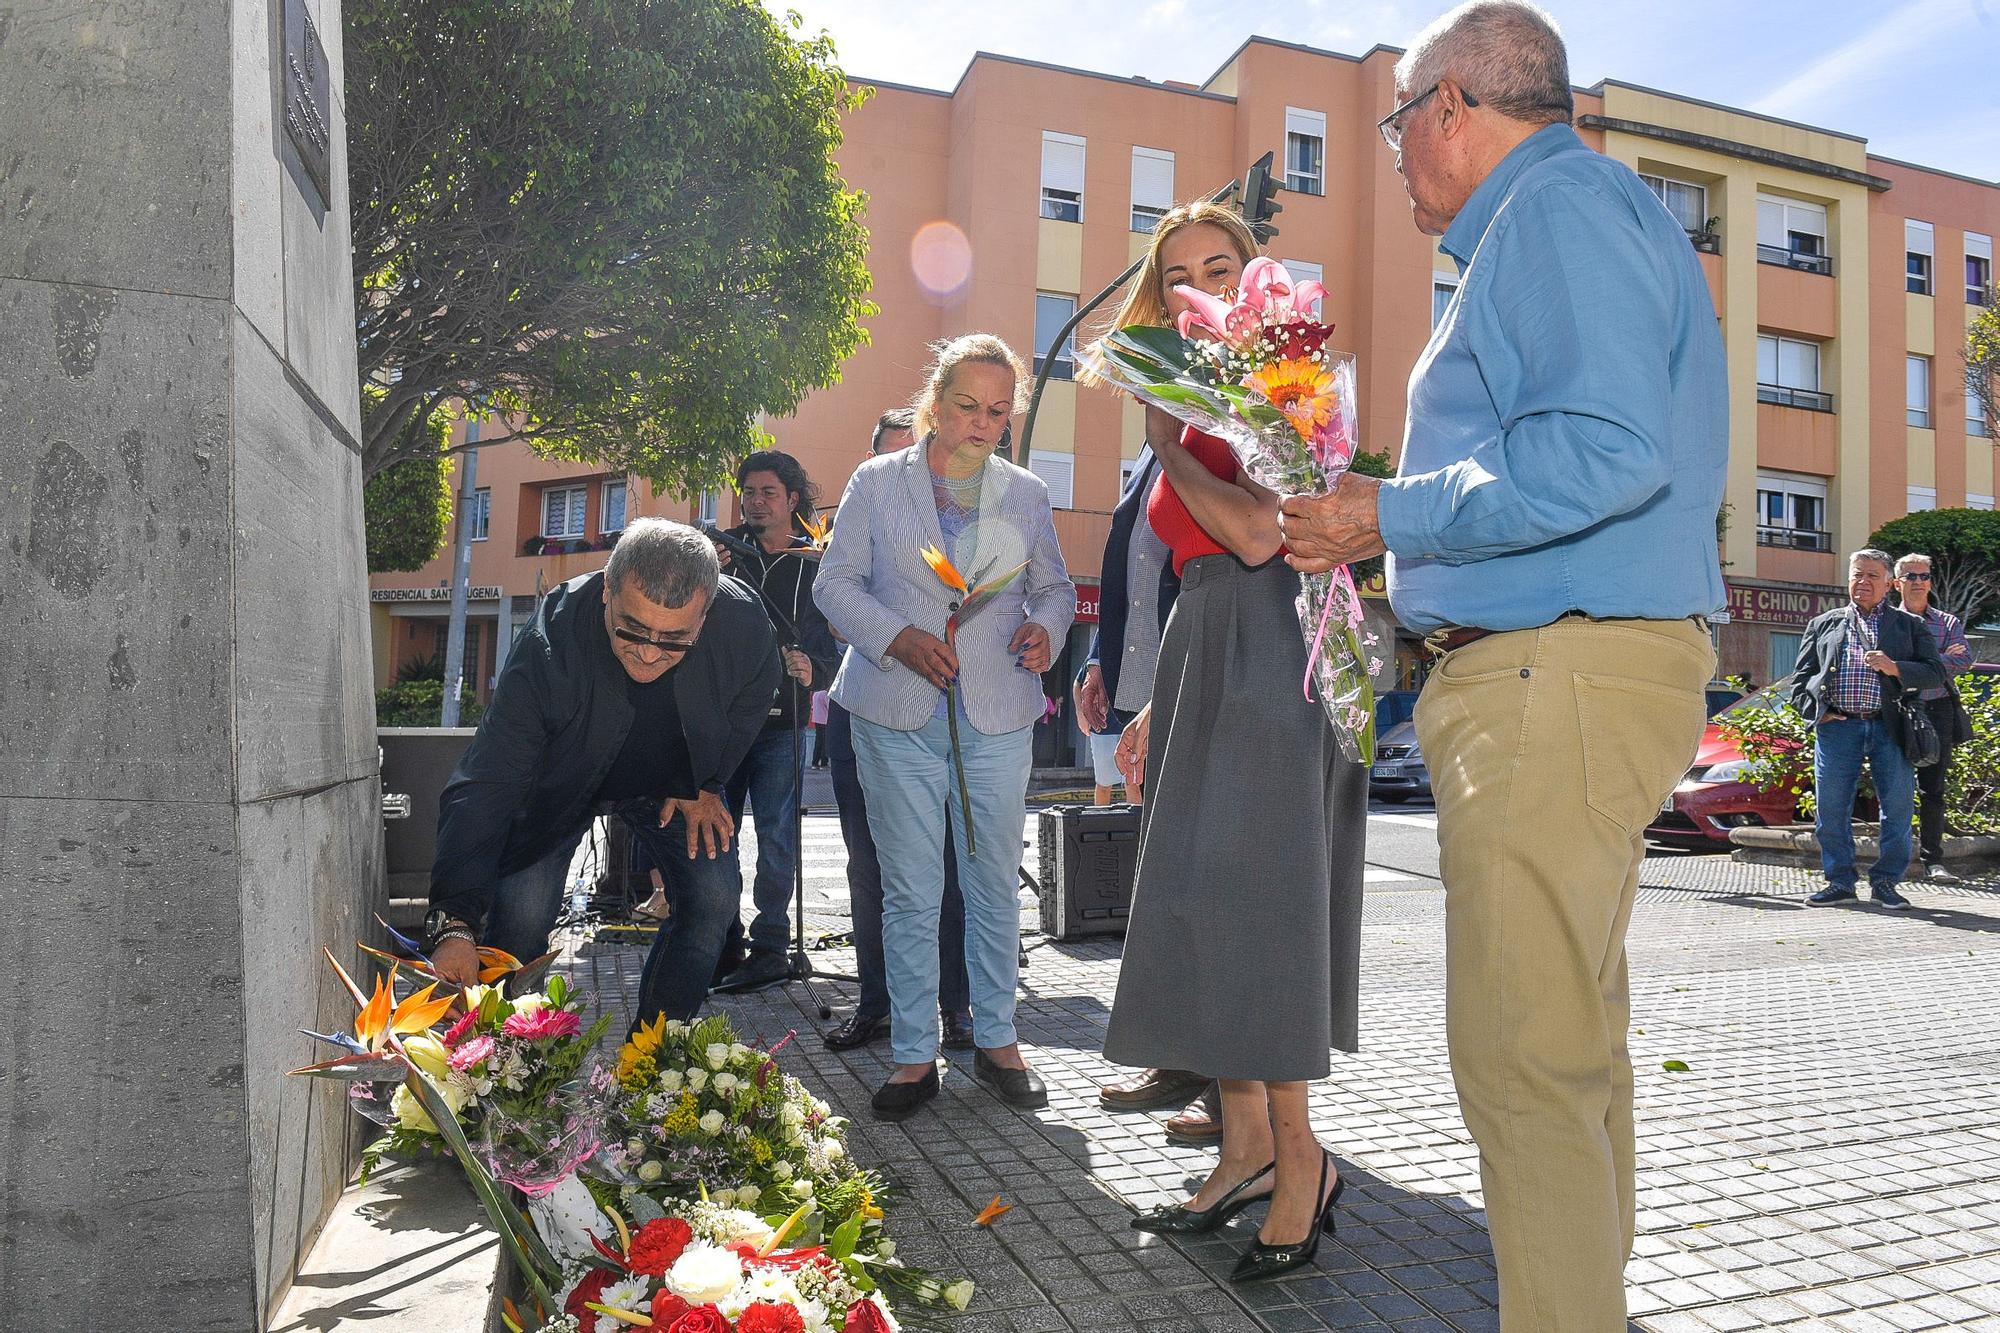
x=440, y=925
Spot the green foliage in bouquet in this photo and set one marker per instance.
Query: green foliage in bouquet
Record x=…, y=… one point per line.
x=704, y=1116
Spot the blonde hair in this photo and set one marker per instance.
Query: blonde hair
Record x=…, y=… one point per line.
x=1145, y=302
x=947, y=355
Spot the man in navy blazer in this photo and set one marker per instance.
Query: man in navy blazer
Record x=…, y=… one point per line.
x=1136, y=592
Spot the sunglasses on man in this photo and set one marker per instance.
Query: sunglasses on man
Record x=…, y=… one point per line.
x=639, y=640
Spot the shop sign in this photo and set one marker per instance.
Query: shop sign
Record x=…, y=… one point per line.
x=1781, y=606
x=1086, y=603
x=478, y=593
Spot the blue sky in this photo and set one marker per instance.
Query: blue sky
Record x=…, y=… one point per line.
x=1919, y=79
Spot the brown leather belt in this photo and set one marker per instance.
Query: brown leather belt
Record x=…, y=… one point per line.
x=1458, y=636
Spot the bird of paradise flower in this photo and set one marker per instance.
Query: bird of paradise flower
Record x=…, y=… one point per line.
x=971, y=598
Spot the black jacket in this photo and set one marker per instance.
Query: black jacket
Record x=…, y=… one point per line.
x=1113, y=597
x=1904, y=637
x=559, y=717
x=785, y=581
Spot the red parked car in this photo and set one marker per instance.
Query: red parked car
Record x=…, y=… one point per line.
x=1714, y=798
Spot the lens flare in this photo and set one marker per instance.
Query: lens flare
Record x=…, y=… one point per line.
x=941, y=258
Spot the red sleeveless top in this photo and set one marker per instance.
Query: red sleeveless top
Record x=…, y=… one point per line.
x=1168, y=513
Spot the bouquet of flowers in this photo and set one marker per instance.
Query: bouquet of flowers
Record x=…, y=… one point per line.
x=513, y=1073
x=1253, y=369
x=702, y=1115
x=707, y=1268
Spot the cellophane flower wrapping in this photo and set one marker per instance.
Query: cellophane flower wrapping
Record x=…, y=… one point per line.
x=1254, y=370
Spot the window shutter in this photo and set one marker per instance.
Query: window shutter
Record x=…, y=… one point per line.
x=1305, y=122
x=1062, y=162
x=1978, y=247
x=1152, y=178
x=1919, y=238
x=1057, y=471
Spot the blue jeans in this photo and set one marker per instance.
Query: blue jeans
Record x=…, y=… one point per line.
x=1839, y=748
x=909, y=778
x=770, y=779
x=701, y=894
x=864, y=889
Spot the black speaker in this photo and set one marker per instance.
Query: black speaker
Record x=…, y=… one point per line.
x=1089, y=855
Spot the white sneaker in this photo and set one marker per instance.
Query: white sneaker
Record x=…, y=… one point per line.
x=1939, y=875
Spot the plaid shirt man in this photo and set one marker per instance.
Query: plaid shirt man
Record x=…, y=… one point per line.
x=1856, y=687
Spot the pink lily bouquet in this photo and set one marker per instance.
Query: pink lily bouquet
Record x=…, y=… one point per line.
x=1252, y=368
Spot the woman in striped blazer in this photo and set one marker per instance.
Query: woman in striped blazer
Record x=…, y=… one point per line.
x=988, y=516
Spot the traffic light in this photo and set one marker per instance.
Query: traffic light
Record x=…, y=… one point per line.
x=1259, y=199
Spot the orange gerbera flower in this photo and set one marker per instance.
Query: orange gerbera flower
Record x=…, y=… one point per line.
x=1303, y=390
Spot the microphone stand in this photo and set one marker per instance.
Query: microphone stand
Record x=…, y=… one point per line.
x=802, y=968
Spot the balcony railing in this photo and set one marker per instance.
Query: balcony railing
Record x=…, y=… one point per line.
x=1810, y=399
x=1798, y=259
x=1797, y=539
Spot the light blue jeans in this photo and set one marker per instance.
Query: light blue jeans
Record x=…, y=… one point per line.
x=908, y=777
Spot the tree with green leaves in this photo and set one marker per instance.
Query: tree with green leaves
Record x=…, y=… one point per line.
x=1964, y=547
x=1982, y=361
x=617, y=223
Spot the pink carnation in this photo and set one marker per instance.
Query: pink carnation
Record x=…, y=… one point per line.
x=470, y=1054
x=542, y=1024
x=456, y=1032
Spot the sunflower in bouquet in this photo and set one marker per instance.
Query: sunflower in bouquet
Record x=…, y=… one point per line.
x=704, y=1115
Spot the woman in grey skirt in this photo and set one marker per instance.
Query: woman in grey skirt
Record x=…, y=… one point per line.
x=1243, y=949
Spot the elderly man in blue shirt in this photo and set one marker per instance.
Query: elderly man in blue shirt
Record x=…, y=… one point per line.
x=1552, y=530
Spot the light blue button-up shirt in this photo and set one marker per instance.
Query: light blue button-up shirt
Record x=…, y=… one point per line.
x=1568, y=429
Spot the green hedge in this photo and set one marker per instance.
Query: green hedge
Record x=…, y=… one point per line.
x=420, y=703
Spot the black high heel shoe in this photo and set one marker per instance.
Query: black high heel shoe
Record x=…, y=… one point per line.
x=1176, y=1219
x=1263, y=1260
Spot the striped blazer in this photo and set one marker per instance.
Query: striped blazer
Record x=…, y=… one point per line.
x=873, y=583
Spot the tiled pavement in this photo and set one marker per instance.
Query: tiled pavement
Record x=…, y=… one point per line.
x=1830, y=1160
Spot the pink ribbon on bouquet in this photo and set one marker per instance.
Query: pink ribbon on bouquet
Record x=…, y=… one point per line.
x=1342, y=582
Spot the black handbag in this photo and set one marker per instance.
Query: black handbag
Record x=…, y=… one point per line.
x=1921, y=743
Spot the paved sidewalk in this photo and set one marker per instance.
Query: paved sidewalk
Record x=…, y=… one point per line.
x=1830, y=1160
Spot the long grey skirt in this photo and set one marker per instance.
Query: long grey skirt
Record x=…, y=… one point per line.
x=1243, y=952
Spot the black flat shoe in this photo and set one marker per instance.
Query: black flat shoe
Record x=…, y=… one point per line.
x=900, y=1101
x=1016, y=1087
x=762, y=969
x=1263, y=1260
x=856, y=1031
x=957, y=1032
x=1177, y=1219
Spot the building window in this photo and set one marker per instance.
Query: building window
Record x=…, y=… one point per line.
x=481, y=513
x=1051, y=313
x=1917, y=391
x=1788, y=373
x=1791, y=512
x=562, y=510
x=1921, y=498
x=1304, y=270
x=1982, y=502
x=1792, y=233
x=1784, y=653
x=711, y=506
x=1919, y=255
x=1305, y=151
x=1062, y=177
x=1126, y=467
x=1978, y=268
x=613, y=519
x=1975, y=412
x=1058, y=472
x=1687, y=203
x=1152, y=187
x=1444, y=286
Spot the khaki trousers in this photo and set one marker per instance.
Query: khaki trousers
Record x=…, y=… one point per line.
x=1550, y=750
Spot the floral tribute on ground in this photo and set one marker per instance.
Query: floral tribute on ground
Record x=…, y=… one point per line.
x=691, y=1186
x=1253, y=369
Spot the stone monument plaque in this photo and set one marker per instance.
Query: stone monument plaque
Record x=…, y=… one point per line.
x=308, y=94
